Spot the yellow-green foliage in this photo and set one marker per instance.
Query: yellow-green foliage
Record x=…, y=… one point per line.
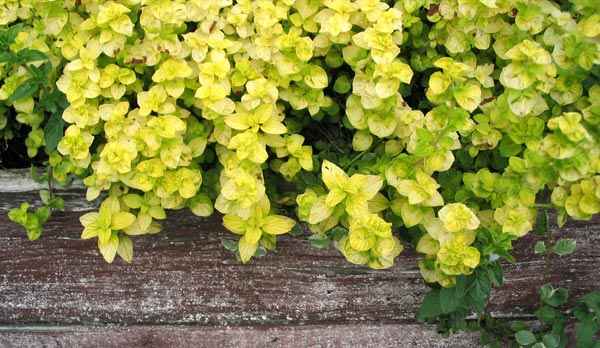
x=431, y=121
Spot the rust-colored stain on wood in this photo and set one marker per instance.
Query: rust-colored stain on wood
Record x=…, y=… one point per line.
x=184, y=289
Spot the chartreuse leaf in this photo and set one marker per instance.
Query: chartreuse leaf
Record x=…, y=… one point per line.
x=246, y=249
x=125, y=249
x=109, y=248
x=277, y=224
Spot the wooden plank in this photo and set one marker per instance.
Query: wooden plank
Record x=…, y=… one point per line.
x=376, y=336
x=185, y=276
x=183, y=283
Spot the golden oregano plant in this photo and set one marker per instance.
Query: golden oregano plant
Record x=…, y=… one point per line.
x=444, y=124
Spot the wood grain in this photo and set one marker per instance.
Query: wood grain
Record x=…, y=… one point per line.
x=184, y=287
x=317, y=336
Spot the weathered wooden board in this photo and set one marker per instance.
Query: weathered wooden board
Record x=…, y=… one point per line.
x=184, y=287
x=314, y=336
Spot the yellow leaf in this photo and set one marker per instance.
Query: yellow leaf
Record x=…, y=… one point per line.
x=272, y=126
x=428, y=245
x=109, y=248
x=333, y=176
x=438, y=82
x=88, y=218
x=277, y=224
x=121, y=220
x=356, y=206
x=361, y=239
x=335, y=196
x=125, y=249
x=246, y=249
x=371, y=184
x=468, y=97
x=315, y=77
x=235, y=224
x=319, y=211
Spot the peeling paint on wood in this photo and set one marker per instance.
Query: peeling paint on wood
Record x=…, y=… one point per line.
x=183, y=285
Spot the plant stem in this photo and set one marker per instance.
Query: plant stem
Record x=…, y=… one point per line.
x=357, y=157
x=49, y=172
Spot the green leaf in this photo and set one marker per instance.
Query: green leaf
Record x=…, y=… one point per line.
x=34, y=233
x=319, y=241
x=553, y=297
x=27, y=55
x=337, y=233
x=7, y=57
x=551, y=340
x=42, y=213
x=296, y=230
x=540, y=248
x=585, y=333
x=260, y=251
x=229, y=244
x=23, y=91
x=430, y=306
x=36, y=177
x=45, y=196
x=53, y=131
x=480, y=292
x=56, y=203
x=592, y=300
x=543, y=224
x=547, y=314
x=309, y=178
x=525, y=338
x=496, y=274
x=564, y=246
x=12, y=33
x=463, y=285
x=449, y=300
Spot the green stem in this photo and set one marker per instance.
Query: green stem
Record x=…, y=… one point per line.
x=544, y=205
x=357, y=157
x=50, y=189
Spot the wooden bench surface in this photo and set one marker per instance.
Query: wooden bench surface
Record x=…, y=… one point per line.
x=184, y=289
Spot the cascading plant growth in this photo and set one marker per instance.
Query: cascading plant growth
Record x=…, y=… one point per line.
x=436, y=123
